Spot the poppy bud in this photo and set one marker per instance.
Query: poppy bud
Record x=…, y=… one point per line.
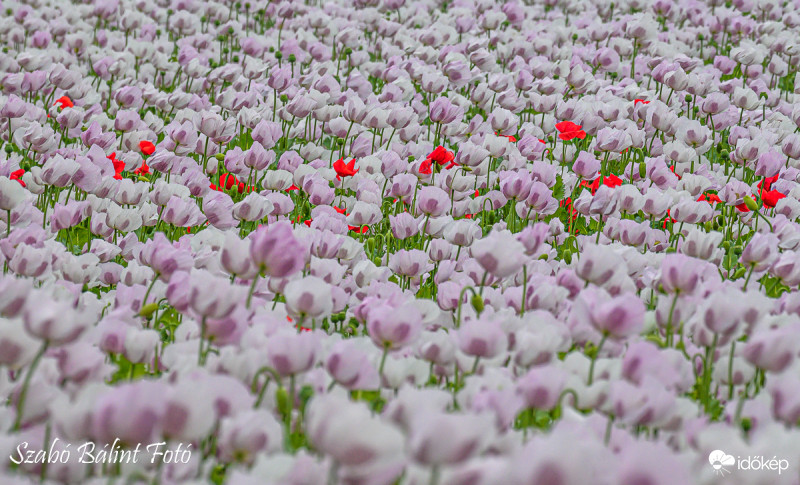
x=750, y=203
x=220, y=156
x=738, y=274
x=148, y=309
x=726, y=245
x=477, y=303
x=282, y=400
x=642, y=169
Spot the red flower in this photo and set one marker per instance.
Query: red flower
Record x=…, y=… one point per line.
x=710, y=198
x=771, y=197
x=611, y=181
x=573, y=214
x=441, y=155
x=143, y=169
x=635, y=101
x=147, y=147
x=668, y=218
x=357, y=229
x=340, y=211
x=767, y=182
x=17, y=175
x=426, y=166
x=65, y=102
x=119, y=165
x=743, y=207
x=293, y=187
x=511, y=138
x=227, y=181
x=569, y=130
x=345, y=170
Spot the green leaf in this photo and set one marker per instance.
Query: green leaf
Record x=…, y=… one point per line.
x=558, y=189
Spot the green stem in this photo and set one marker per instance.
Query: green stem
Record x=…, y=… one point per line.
x=594, y=357
x=252, y=289
x=383, y=360
x=730, y=370
x=26, y=383
x=668, y=336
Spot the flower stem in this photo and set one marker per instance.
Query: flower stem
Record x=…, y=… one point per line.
x=594, y=357
x=26, y=383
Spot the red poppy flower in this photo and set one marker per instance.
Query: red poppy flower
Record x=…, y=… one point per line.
x=468, y=216
x=672, y=169
x=147, y=147
x=511, y=138
x=710, y=198
x=635, y=101
x=668, y=218
x=767, y=182
x=65, y=102
x=119, y=165
x=743, y=207
x=293, y=187
x=426, y=166
x=771, y=197
x=441, y=155
x=17, y=175
x=573, y=214
x=358, y=229
x=227, y=181
x=143, y=169
x=308, y=222
x=611, y=181
x=569, y=130
x=345, y=170
x=339, y=210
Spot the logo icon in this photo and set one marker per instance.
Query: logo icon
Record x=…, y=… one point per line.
x=719, y=460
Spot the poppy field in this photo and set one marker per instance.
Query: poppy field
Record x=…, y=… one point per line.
x=400, y=242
